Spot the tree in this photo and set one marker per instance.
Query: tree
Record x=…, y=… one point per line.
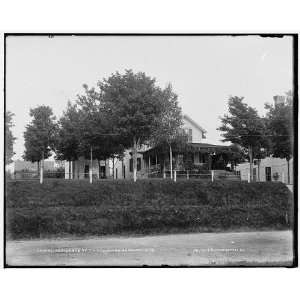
x=67, y=137
x=244, y=127
x=233, y=154
x=40, y=134
x=279, y=121
x=86, y=130
x=134, y=105
x=9, y=138
x=169, y=131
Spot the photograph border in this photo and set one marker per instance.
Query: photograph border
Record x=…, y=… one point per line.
x=295, y=157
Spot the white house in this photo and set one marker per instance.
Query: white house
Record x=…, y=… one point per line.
x=269, y=169
x=147, y=158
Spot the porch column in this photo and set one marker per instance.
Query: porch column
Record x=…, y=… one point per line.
x=209, y=161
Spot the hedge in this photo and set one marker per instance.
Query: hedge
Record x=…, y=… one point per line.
x=60, y=208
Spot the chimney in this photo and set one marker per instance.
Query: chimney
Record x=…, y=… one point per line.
x=278, y=100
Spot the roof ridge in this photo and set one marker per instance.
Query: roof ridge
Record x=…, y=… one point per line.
x=194, y=123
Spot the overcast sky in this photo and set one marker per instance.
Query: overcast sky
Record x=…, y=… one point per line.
x=204, y=71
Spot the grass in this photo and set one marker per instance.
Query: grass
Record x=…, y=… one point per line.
x=77, y=208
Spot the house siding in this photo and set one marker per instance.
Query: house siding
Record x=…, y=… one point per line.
x=277, y=165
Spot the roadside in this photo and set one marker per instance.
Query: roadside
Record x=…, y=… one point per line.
x=193, y=249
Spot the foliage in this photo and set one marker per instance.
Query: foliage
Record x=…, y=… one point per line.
x=233, y=154
x=169, y=130
x=242, y=126
x=9, y=138
x=68, y=136
x=40, y=135
x=279, y=121
x=85, y=126
x=78, y=208
x=134, y=105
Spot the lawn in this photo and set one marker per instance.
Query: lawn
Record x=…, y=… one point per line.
x=60, y=208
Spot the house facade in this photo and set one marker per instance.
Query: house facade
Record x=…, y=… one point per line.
x=149, y=160
x=268, y=169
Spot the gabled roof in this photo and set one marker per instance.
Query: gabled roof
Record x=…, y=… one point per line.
x=194, y=123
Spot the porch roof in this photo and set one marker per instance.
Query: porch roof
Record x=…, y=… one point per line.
x=201, y=147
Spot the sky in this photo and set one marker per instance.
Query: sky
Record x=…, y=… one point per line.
x=203, y=70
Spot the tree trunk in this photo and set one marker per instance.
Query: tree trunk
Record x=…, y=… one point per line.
x=171, y=163
x=78, y=165
x=69, y=177
x=258, y=170
x=134, y=159
x=288, y=165
x=251, y=162
x=113, y=159
x=42, y=169
x=38, y=167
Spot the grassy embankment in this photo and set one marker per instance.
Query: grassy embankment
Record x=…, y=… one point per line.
x=63, y=208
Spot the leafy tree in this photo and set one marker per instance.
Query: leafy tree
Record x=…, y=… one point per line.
x=233, y=154
x=134, y=104
x=279, y=121
x=96, y=131
x=9, y=138
x=169, y=132
x=40, y=134
x=67, y=137
x=244, y=127
x=87, y=131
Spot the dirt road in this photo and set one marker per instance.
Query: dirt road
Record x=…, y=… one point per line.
x=200, y=249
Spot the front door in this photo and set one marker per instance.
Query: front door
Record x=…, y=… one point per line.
x=268, y=174
x=254, y=174
x=86, y=171
x=102, y=172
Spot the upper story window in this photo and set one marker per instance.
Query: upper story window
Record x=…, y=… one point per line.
x=190, y=135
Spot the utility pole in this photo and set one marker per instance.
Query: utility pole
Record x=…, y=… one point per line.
x=91, y=168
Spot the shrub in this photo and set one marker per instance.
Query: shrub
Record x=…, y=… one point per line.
x=60, y=207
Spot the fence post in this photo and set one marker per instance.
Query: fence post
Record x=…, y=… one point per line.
x=212, y=175
x=175, y=175
x=283, y=177
x=249, y=179
x=187, y=174
x=41, y=173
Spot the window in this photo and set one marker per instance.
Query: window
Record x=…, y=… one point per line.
x=139, y=164
x=196, y=158
x=86, y=171
x=190, y=135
